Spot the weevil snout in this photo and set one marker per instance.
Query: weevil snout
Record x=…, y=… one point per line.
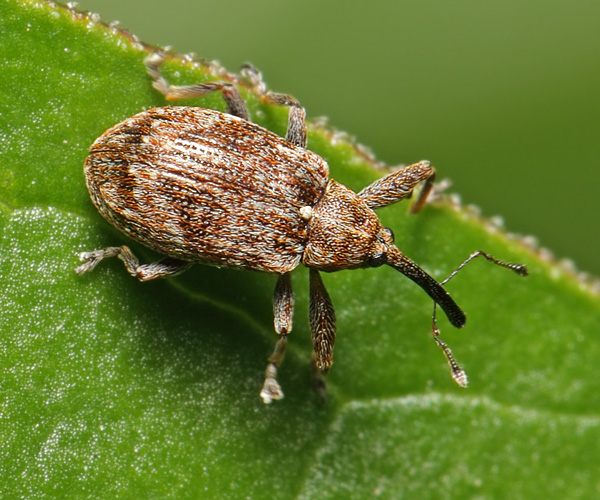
x=408, y=268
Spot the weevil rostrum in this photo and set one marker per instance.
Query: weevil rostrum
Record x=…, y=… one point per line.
x=198, y=185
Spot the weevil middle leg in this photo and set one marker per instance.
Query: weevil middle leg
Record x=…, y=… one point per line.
x=296, y=131
x=321, y=313
x=322, y=327
x=283, y=310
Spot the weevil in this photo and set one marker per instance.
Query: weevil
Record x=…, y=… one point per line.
x=198, y=185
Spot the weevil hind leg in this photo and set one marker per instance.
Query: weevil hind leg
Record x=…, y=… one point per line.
x=164, y=268
x=235, y=103
x=283, y=310
x=400, y=185
x=296, y=132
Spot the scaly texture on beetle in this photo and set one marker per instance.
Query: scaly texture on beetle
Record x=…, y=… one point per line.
x=202, y=186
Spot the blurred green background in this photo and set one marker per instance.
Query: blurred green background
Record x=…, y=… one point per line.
x=502, y=97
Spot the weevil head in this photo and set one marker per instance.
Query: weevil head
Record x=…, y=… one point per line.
x=344, y=233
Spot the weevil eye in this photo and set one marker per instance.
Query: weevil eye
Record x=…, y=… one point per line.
x=390, y=233
x=379, y=251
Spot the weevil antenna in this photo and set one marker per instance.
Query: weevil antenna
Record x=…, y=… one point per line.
x=402, y=263
x=458, y=374
x=520, y=269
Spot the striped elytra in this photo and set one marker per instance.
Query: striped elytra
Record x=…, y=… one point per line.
x=205, y=186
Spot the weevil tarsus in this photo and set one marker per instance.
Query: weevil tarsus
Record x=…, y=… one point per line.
x=283, y=310
x=271, y=389
x=458, y=374
x=318, y=382
x=254, y=77
x=164, y=268
x=296, y=130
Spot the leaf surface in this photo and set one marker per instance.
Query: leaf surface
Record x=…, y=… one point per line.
x=117, y=389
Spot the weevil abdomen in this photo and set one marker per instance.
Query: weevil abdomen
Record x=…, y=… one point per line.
x=201, y=185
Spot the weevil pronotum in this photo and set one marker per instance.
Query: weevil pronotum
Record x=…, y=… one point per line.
x=197, y=185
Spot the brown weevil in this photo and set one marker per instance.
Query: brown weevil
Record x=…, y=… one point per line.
x=198, y=185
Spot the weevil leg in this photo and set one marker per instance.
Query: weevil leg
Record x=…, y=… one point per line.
x=400, y=185
x=283, y=310
x=166, y=267
x=296, y=131
x=322, y=322
x=283, y=305
x=235, y=103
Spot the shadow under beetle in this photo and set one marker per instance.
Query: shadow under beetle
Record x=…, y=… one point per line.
x=198, y=185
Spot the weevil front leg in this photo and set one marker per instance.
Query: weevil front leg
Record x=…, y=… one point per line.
x=322, y=329
x=322, y=322
x=400, y=185
x=166, y=267
x=283, y=310
x=235, y=103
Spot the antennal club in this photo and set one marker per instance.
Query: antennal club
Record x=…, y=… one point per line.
x=458, y=374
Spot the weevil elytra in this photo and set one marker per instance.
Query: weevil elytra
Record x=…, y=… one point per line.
x=198, y=185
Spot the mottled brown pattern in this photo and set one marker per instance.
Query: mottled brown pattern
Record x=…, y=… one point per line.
x=201, y=185
x=342, y=232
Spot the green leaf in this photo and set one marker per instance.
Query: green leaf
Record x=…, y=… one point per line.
x=116, y=389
